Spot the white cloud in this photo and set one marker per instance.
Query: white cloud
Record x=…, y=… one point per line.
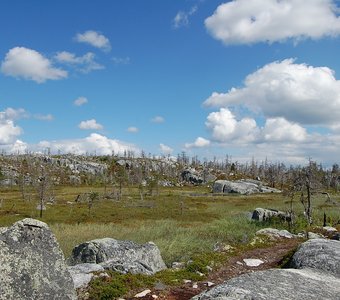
x=198, y=143
x=90, y=125
x=95, y=143
x=14, y=114
x=296, y=92
x=182, y=18
x=84, y=64
x=132, y=129
x=158, y=119
x=165, y=149
x=224, y=127
x=95, y=39
x=247, y=22
x=17, y=146
x=80, y=101
x=279, y=129
x=8, y=130
x=21, y=62
x=41, y=117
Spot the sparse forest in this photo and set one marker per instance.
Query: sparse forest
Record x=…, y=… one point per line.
x=167, y=200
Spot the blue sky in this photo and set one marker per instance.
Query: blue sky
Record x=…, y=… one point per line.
x=248, y=78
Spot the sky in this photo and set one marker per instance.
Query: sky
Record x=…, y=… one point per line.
x=251, y=79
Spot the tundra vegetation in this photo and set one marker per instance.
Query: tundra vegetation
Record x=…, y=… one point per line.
x=149, y=198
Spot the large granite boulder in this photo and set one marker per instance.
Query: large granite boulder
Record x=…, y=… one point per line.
x=243, y=187
x=321, y=254
x=283, y=284
x=265, y=214
x=120, y=256
x=32, y=265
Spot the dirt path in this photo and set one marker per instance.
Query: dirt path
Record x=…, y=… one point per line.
x=271, y=256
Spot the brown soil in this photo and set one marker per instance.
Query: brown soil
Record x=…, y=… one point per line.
x=272, y=256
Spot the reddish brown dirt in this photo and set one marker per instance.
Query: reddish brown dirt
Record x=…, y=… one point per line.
x=272, y=257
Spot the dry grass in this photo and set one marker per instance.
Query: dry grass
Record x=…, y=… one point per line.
x=181, y=221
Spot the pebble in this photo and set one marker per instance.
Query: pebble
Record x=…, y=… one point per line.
x=142, y=294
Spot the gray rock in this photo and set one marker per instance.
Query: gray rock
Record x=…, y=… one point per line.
x=275, y=233
x=120, y=256
x=32, y=265
x=330, y=229
x=265, y=214
x=191, y=176
x=321, y=254
x=83, y=273
x=253, y=262
x=283, y=284
x=313, y=235
x=243, y=187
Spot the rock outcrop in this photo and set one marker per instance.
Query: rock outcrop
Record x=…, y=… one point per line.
x=120, y=256
x=316, y=275
x=32, y=265
x=283, y=284
x=243, y=187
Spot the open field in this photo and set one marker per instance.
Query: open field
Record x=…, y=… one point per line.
x=182, y=221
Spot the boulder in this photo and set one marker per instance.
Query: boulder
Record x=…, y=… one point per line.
x=83, y=273
x=191, y=176
x=265, y=214
x=274, y=233
x=32, y=265
x=321, y=254
x=120, y=256
x=283, y=284
x=243, y=187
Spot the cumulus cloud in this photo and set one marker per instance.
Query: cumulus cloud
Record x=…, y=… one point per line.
x=21, y=62
x=95, y=143
x=84, y=64
x=95, y=39
x=165, y=149
x=14, y=114
x=280, y=130
x=198, y=143
x=90, y=125
x=247, y=22
x=158, y=119
x=16, y=147
x=8, y=130
x=224, y=127
x=182, y=17
x=132, y=129
x=296, y=92
x=80, y=101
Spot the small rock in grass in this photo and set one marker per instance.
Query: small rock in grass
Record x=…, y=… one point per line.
x=142, y=294
x=195, y=286
x=253, y=262
x=330, y=229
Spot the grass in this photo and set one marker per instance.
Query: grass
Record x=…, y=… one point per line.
x=184, y=222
